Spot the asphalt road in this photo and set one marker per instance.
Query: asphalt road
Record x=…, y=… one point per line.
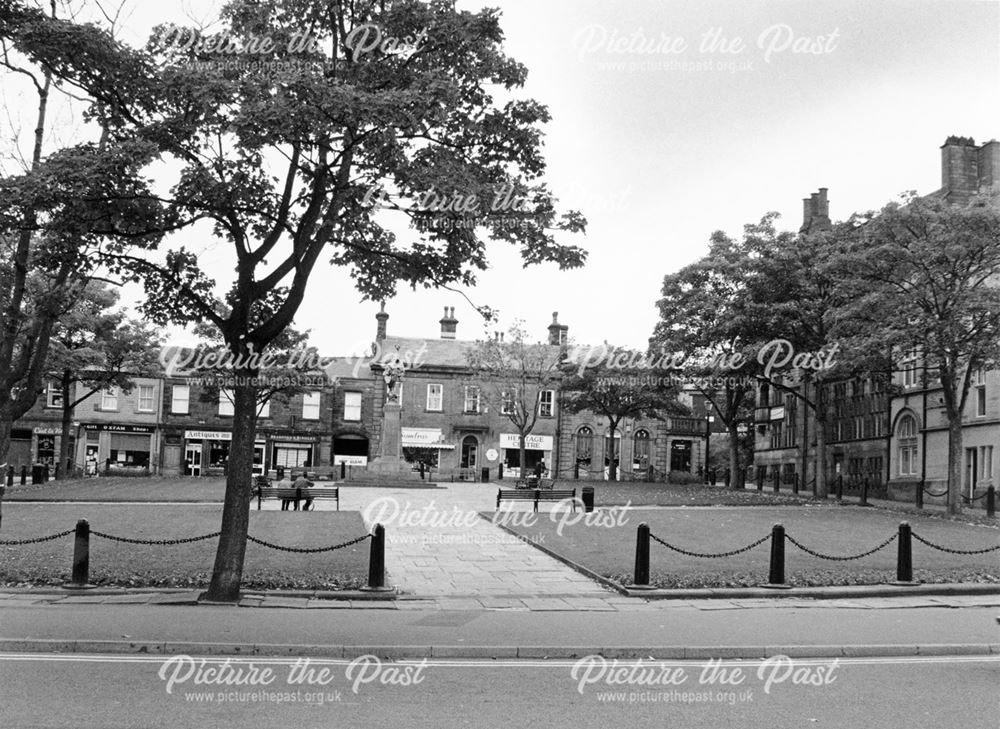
x=131, y=691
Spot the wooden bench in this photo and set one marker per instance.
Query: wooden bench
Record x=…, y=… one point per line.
x=286, y=493
x=536, y=495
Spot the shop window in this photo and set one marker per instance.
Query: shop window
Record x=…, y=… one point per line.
x=435, y=397
x=144, y=401
x=546, y=405
x=310, y=406
x=130, y=450
x=352, y=406
x=218, y=453
x=47, y=449
x=180, y=399
x=226, y=406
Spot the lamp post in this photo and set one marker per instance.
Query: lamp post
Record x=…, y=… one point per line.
x=709, y=419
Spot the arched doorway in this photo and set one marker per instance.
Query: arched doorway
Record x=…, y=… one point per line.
x=640, y=452
x=470, y=451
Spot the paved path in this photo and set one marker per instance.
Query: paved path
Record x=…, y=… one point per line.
x=437, y=546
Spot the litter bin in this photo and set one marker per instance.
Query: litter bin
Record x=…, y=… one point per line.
x=37, y=473
x=587, y=494
x=280, y=473
x=486, y=474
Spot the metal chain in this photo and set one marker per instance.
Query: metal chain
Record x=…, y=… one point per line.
x=931, y=493
x=968, y=500
x=37, y=540
x=158, y=542
x=307, y=550
x=832, y=558
x=938, y=547
x=711, y=556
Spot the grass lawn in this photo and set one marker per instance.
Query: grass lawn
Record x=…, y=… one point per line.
x=670, y=494
x=123, y=489
x=182, y=565
x=610, y=551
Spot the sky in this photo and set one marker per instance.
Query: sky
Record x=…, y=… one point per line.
x=672, y=119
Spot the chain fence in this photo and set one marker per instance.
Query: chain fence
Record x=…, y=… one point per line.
x=940, y=548
x=834, y=558
x=36, y=540
x=155, y=542
x=710, y=555
x=307, y=550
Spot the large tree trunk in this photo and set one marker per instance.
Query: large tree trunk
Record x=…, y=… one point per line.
x=62, y=467
x=5, y=424
x=735, y=474
x=954, y=463
x=227, y=573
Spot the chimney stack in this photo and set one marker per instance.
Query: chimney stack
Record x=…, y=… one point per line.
x=959, y=168
x=449, y=324
x=558, y=333
x=381, y=317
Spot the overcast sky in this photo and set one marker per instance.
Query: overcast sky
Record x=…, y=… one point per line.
x=659, y=149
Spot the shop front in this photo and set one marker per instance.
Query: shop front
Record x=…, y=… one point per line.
x=110, y=447
x=350, y=449
x=206, y=453
x=293, y=451
x=538, y=450
x=424, y=446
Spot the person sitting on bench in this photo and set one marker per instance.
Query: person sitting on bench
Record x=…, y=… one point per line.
x=303, y=483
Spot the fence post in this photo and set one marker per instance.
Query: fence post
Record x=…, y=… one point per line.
x=904, y=555
x=10, y=475
x=795, y=485
x=376, y=560
x=920, y=495
x=81, y=555
x=642, y=556
x=24, y=475
x=760, y=479
x=864, y=492
x=777, y=482
x=991, y=501
x=777, y=570
x=840, y=487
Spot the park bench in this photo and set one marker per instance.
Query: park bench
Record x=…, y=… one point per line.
x=536, y=495
x=294, y=495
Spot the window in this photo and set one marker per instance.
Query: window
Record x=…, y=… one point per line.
x=546, y=405
x=53, y=396
x=180, y=399
x=264, y=409
x=985, y=462
x=471, y=399
x=506, y=403
x=352, y=406
x=979, y=381
x=144, y=403
x=906, y=435
x=310, y=406
x=109, y=399
x=909, y=363
x=226, y=402
x=435, y=397
x=776, y=434
x=640, y=450
x=584, y=445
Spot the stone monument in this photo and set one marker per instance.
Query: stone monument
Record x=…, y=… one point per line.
x=390, y=454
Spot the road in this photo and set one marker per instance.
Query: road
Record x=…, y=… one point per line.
x=132, y=691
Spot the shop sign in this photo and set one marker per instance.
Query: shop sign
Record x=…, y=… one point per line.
x=350, y=460
x=531, y=442
x=119, y=428
x=46, y=430
x=421, y=437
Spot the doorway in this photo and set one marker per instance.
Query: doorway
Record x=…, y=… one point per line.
x=470, y=448
x=192, y=459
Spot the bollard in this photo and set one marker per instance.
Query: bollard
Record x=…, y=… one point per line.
x=343, y=471
x=777, y=482
x=10, y=475
x=920, y=496
x=81, y=554
x=376, y=560
x=904, y=555
x=991, y=501
x=795, y=485
x=642, y=556
x=500, y=471
x=24, y=475
x=777, y=572
x=864, y=492
x=576, y=470
x=760, y=479
x=840, y=488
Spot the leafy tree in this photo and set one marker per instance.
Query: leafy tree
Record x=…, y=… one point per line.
x=323, y=150
x=64, y=207
x=609, y=381
x=705, y=318
x=93, y=348
x=930, y=268
x=512, y=373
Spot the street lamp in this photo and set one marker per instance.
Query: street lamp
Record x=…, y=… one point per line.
x=709, y=419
